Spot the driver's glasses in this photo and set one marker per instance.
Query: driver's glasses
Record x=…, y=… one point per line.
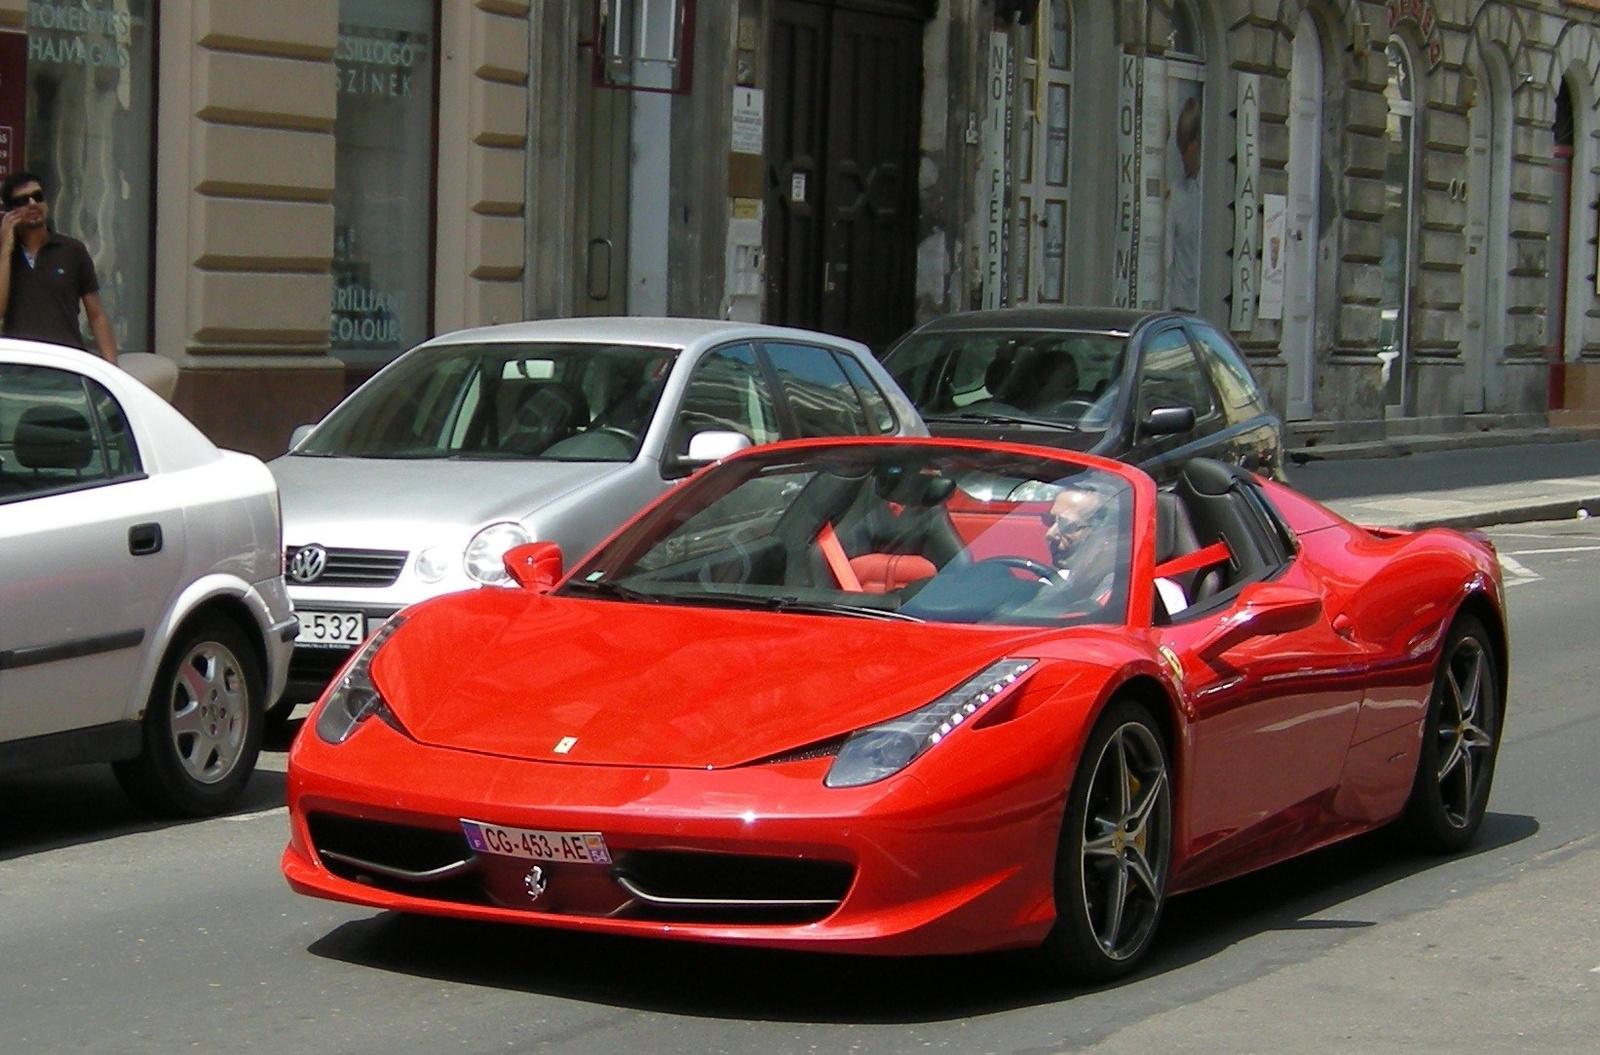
x=1072, y=526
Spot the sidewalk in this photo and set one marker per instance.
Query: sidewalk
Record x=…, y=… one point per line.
x=1467, y=480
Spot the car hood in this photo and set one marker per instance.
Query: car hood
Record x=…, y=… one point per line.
x=336, y=500
x=516, y=674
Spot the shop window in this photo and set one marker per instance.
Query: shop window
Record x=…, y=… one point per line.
x=386, y=63
x=1043, y=119
x=87, y=133
x=1184, y=198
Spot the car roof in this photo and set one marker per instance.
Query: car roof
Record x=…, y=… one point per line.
x=1119, y=320
x=665, y=332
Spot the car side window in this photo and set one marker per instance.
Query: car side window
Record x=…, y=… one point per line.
x=823, y=400
x=1240, y=397
x=60, y=432
x=1170, y=376
x=872, y=397
x=727, y=392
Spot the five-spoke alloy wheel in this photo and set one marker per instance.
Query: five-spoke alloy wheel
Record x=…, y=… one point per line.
x=1460, y=740
x=1116, y=843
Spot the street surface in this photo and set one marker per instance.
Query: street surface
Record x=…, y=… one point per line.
x=122, y=935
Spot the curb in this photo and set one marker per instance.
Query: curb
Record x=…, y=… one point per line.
x=1401, y=446
x=1563, y=509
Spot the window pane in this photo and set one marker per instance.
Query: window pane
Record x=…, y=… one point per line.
x=90, y=116
x=1060, y=35
x=821, y=396
x=877, y=407
x=47, y=437
x=1025, y=134
x=727, y=392
x=1056, y=165
x=1020, y=266
x=1170, y=376
x=122, y=457
x=1053, y=287
x=1229, y=372
x=383, y=159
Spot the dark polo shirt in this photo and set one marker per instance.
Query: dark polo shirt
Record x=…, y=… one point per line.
x=46, y=297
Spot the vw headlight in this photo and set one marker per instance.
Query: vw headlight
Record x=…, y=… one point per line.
x=355, y=698
x=884, y=750
x=485, y=555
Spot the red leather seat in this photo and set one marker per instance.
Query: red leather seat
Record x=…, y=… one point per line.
x=882, y=572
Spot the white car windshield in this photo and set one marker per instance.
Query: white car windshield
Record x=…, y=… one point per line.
x=888, y=531
x=546, y=401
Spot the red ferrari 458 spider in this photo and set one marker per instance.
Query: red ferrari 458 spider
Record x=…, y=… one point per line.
x=905, y=697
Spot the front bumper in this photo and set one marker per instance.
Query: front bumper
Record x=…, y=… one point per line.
x=761, y=855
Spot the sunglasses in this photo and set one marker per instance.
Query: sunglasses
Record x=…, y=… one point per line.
x=1066, y=527
x=23, y=199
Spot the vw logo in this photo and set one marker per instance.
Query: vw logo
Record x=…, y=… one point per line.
x=535, y=882
x=308, y=564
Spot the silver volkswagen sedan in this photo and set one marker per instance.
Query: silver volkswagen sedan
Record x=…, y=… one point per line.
x=143, y=615
x=557, y=430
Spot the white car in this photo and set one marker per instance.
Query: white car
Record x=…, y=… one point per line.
x=552, y=431
x=143, y=616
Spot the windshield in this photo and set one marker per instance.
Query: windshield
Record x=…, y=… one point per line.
x=1063, y=377
x=559, y=402
x=919, y=531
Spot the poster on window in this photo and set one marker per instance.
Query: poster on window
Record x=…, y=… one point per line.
x=1274, y=228
x=1184, y=195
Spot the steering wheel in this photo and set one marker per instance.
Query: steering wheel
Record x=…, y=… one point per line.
x=1042, y=572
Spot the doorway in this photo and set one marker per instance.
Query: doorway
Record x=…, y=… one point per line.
x=1303, y=234
x=844, y=113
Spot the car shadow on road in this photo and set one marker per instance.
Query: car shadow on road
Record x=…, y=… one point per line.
x=52, y=809
x=722, y=982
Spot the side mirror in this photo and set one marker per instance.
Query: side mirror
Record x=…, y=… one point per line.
x=1264, y=609
x=708, y=447
x=1167, y=421
x=535, y=566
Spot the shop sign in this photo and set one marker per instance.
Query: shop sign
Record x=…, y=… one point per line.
x=996, y=139
x=1246, y=204
x=1425, y=17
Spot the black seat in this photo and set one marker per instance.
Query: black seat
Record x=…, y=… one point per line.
x=1212, y=494
x=53, y=438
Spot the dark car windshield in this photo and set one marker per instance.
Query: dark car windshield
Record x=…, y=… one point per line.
x=549, y=401
x=1053, y=377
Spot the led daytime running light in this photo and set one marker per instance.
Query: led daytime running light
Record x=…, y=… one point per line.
x=883, y=750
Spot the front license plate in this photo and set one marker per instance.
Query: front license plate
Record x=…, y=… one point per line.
x=331, y=629
x=534, y=845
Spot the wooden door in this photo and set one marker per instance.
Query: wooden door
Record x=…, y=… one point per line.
x=600, y=236
x=845, y=110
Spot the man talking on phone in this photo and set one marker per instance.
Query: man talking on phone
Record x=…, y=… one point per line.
x=45, y=276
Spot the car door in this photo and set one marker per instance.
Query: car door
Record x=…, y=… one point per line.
x=1271, y=714
x=90, y=554
x=1169, y=375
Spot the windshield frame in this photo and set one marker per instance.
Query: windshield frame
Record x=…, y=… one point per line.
x=1010, y=485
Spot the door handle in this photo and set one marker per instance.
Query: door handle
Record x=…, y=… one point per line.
x=144, y=539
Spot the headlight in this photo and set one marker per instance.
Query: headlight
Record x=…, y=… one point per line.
x=355, y=698
x=884, y=750
x=485, y=556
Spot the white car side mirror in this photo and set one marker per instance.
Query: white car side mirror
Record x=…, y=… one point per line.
x=707, y=447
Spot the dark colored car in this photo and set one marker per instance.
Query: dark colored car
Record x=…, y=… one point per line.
x=1151, y=388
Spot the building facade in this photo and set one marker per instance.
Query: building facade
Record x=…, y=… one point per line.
x=1391, y=204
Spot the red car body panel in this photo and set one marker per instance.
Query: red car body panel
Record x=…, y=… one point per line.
x=687, y=729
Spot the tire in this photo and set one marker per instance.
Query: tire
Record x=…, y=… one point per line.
x=1460, y=741
x=202, y=725
x=1115, y=846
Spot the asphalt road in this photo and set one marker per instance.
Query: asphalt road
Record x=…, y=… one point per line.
x=117, y=935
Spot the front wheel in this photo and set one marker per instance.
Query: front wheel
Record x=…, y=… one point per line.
x=202, y=725
x=1460, y=740
x=1116, y=843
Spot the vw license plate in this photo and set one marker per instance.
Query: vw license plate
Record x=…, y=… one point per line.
x=331, y=629
x=534, y=845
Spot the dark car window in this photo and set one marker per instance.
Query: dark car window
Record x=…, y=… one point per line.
x=60, y=431
x=1240, y=397
x=727, y=392
x=1054, y=375
x=821, y=396
x=1170, y=376
x=872, y=397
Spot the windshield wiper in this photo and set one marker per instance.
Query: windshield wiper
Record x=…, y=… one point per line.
x=768, y=603
x=985, y=417
x=615, y=590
